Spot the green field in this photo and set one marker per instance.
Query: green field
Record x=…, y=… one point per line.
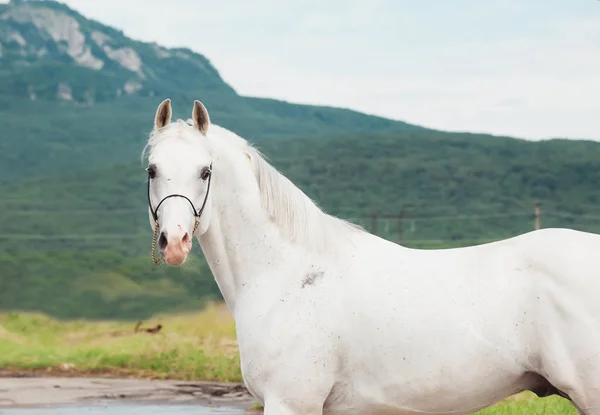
x=190, y=346
x=196, y=346
x=529, y=404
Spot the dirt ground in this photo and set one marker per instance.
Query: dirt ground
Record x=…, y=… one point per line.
x=36, y=391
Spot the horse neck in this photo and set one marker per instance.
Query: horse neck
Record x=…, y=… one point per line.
x=241, y=244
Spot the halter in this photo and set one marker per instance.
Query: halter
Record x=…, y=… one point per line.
x=155, y=212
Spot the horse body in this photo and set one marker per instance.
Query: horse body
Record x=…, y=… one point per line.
x=468, y=328
x=332, y=319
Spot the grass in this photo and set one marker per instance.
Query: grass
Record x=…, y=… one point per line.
x=200, y=346
x=527, y=403
x=196, y=346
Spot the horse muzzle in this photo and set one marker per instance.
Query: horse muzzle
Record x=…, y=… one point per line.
x=174, y=247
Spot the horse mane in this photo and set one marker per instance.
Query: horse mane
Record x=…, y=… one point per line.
x=298, y=217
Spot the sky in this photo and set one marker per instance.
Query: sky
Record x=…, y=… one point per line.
x=529, y=69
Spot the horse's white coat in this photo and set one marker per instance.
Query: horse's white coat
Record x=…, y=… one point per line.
x=331, y=319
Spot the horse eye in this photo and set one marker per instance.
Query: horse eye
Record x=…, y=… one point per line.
x=151, y=172
x=205, y=173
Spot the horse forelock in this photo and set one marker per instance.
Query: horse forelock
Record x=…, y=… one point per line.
x=176, y=130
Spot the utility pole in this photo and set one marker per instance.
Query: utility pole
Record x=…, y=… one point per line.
x=374, y=223
x=537, y=215
x=400, y=217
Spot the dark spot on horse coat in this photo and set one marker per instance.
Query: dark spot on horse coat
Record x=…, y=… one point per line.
x=311, y=277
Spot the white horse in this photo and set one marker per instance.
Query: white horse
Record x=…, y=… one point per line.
x=332, y=319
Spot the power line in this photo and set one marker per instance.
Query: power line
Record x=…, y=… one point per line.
x=44, y=212
x=440, y=212
x=386, y=218
x=97, y=236
x=571, y=215
x=380, y=215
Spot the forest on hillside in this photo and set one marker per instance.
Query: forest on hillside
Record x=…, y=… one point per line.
x=78, y=245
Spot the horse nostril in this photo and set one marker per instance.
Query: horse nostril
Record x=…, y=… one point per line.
x=186, y=238
x=162, y=241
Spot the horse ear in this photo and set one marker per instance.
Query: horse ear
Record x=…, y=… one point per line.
x=163, y=114
x=200, y=117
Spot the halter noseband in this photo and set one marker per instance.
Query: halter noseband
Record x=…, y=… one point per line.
x=197, y=213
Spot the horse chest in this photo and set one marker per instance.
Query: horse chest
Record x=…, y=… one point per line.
x=259, y=357
x=273, y=344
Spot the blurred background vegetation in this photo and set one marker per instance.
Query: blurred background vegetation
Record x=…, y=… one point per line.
x=74, y=233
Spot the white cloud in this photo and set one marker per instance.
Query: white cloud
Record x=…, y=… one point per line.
x=554, y=77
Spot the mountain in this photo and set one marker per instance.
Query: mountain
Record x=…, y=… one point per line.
x=47, y=40
x=76, y=94
x=77, y=99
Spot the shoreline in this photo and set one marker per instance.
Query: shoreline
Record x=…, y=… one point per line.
x=37, y=389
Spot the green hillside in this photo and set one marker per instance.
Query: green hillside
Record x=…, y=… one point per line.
x=79, y=244
x=58, y=137
x=75, y=112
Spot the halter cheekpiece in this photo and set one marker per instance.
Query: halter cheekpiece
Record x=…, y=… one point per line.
x=197, y=213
